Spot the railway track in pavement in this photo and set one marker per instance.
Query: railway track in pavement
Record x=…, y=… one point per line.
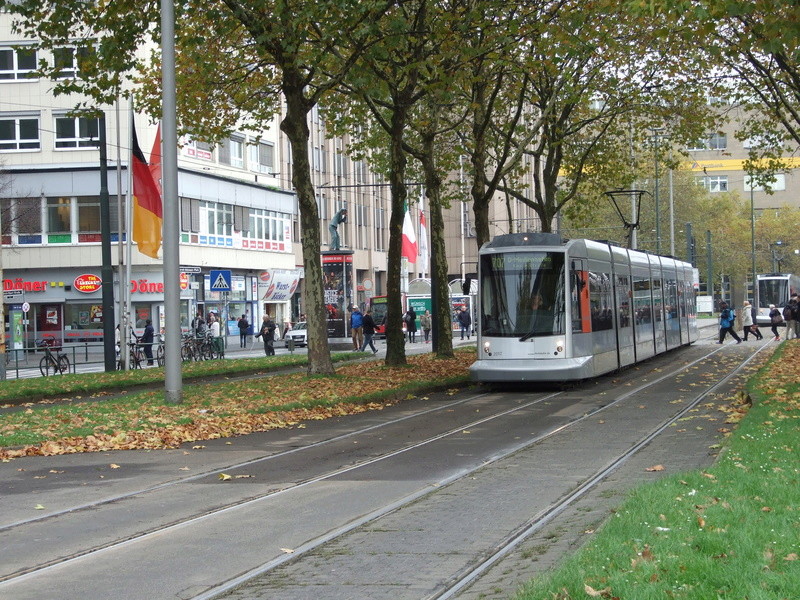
x=293, y=496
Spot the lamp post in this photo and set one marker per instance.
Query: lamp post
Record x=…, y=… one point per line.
x=656, y=141
x=636, y=207
x=753, y=240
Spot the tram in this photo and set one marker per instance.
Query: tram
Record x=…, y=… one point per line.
x=556, y=311
x=774, y=288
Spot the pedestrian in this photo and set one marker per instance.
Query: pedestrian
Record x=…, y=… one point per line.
x=790, y=316
x=357, y=328
x=425, y=322
x=199, y=326
x=410, y=319
x=795, y=302
x=147, y=341
x=727, y=318
x=747, y=320
x=754, y=328
x=244, y=325
x=465, y=320
x=216, y=334
x=368, y=324
x=267, y=335
x=775, y=319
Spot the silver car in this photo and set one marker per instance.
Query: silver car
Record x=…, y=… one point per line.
x=298, y=333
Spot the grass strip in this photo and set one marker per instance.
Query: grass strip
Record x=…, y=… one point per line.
x=728, y=532
x=222, y=409
x=18, y=390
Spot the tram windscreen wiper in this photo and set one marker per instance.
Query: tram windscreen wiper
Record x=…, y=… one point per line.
x=527, y=336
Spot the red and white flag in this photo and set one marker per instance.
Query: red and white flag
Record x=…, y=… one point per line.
x=409, y=249
x=423, y=243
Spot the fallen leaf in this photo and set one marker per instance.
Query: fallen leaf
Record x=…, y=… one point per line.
x=114, y=466
x=655, y=468
x=224, y=477
x=590, y=591
x=38, y=507
x=287, y=550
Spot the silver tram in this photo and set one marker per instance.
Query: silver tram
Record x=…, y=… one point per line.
x=560, y=311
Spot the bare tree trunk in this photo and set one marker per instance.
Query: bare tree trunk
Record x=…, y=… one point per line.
x=295, y=126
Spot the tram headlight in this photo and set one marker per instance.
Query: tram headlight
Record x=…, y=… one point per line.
x=487, y=348
x=559, y=346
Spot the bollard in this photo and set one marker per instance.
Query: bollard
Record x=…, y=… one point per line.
x=290, y=345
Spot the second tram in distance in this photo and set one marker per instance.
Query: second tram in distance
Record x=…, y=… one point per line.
x=555, y=311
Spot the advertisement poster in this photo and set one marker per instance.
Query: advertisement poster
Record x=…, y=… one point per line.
x=337, y=278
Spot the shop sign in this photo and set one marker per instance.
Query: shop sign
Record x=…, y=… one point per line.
x=25, y=286
x=184, y=281
x=143, y=286
x=88, y=284
x=278, y=285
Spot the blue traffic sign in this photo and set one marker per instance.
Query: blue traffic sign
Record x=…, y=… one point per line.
x=220, y=281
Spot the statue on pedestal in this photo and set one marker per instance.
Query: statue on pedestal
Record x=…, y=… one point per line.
x=333, y=228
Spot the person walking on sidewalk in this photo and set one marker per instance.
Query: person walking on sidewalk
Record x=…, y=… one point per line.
x=465, y=320
x=368, y=323
x=727, y=317
x=244, y=325
x=147, y=341
x=357, y=328
x=410, y=319
x=267, y=335
x=425, y=322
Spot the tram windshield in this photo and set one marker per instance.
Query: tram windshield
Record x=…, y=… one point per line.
x=522, y=294
x=773, y=291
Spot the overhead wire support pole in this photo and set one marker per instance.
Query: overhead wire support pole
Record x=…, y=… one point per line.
x=172, y=352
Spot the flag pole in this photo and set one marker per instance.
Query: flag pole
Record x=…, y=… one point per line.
x=125, y=323
x=121, y=260
x=169, y=139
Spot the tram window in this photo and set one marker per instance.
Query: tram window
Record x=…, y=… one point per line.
x=601, y=301
x=623, y=301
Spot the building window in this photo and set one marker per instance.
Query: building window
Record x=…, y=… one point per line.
x=718, y=141
x=261, y=157
x=231, y=152
x=196, y=149
x=267, y=225
x=59, y=215
x=89, y=215
x=77, y=132
x=714, y=183
x=19, y=133
x=216, y=218
x=779, y=185
x=68, y=60
x=17, y=63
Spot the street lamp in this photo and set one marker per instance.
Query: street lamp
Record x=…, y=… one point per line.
x=636, y=201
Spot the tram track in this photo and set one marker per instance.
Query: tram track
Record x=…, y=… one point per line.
x=246, y=503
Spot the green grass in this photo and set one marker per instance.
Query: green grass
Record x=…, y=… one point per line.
x=17, y=390
x=730, y=532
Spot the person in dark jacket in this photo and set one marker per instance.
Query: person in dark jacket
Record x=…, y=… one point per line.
x=368, y=324
x=244, y=325
x=267, y=335
x=147, y=341
x=465, y=320
x=727, y=318
x=410, y=319
x=775, y=319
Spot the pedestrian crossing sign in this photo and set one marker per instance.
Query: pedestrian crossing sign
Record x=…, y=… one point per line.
x=220, y=281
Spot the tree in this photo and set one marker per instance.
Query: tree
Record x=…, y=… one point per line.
x=262, y=53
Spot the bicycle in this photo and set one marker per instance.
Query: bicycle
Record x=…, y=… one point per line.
x=136, y=356
x=52, y=364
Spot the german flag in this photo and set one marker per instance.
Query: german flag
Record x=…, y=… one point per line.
x=147, y=208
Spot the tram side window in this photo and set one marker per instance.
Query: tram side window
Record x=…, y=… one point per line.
x=624, y=300
x=641, y=301
x=601, y=301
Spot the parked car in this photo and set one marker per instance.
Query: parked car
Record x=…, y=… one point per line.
x=298, y=333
